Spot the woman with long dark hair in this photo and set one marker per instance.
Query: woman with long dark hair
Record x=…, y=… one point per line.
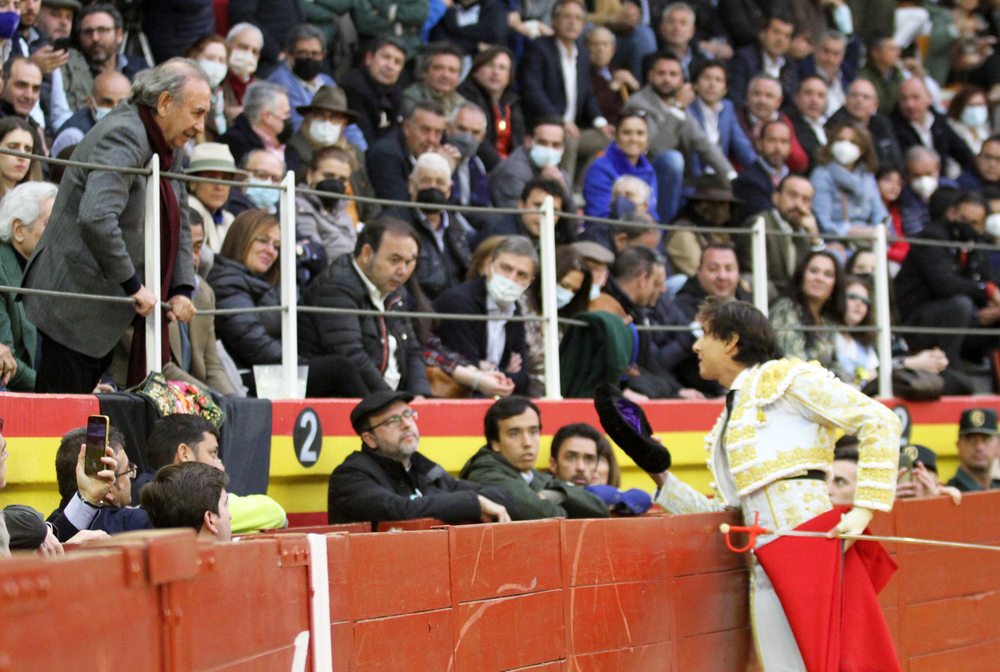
x=856, y=349
x=817, y=299
x=245, y=274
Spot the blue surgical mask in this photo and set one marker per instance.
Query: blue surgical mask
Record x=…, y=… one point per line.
x=975, y=116
x=263, y=197
x=9, y=21
x=564, y=296
x=842, y=17
x=545, y=156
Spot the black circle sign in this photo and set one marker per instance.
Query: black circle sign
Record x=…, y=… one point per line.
x=307, y=437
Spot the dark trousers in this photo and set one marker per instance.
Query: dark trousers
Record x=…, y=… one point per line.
x=956, y=311
x=61, y=370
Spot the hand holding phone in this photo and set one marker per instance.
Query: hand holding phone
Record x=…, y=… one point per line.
x=97, y=444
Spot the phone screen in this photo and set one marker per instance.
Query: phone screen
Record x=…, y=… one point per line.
x=97, y=442
x=60, y=44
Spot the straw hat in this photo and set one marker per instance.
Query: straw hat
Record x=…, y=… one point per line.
x=213, y=156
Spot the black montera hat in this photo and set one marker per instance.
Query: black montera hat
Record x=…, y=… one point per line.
x=626, y=424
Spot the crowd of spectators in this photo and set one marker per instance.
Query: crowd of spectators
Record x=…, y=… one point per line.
x=822, y=120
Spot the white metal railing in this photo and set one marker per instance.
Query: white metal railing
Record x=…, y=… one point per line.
x=289, y=307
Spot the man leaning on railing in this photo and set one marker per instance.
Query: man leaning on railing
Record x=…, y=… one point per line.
x=94, y=242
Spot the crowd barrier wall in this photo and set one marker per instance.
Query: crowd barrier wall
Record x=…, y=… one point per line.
x=653, y=593
x=451, y=431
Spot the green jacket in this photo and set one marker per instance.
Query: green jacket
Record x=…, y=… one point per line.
x=372, y=19
x=887, y=89
x=488, y=467
x=15, y=331
x=607, y=345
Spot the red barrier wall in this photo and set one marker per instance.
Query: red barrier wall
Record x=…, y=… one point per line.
x=630, y=594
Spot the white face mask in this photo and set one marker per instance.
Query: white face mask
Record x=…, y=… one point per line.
x=993, y=225
x=101, y=112
x=503, y=290
x=925, y=186
x=242, y=63
x=216, y=72
x=845, y=152
x=325, y=133
x=563, y=296
x=975, y=115
x=545, y=156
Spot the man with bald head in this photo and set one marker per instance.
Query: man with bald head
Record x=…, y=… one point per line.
x=110, y=88
x=916, y=123
x=861, y=106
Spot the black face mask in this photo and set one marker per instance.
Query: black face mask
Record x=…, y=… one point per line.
x=306, y=69
x=336, y=186
x=431, y=196
x=287, y=131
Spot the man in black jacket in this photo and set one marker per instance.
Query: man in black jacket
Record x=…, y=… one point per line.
x=373, y=89
x=951, y=286
x=383, y=347
x=391, y=159
x=444, y=244
x=861, y=105
x=916, y=123
x=501, y=343
x=265, y=123
x=389, y=480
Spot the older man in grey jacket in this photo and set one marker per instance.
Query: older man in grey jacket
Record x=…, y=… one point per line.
x=674, y=134
x=94, y=242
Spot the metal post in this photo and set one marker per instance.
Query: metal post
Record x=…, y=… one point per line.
x=553, y=384
x=289, y=325
x=882, y=314
x=758, y=255
x=154, y=322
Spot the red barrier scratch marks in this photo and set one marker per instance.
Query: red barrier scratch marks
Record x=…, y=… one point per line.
x=527, y=589
x=476, y=615
x=628, y=632
x=479, y=554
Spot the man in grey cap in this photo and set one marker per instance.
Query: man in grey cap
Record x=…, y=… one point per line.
x=977, y=448
x=389, y=480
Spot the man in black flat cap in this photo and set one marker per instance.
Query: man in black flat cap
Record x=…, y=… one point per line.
x=389, y=480
x=978, y=444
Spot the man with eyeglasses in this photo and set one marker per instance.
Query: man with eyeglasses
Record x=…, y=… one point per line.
x=985, y=171
x=95, y=502
x=389, y=480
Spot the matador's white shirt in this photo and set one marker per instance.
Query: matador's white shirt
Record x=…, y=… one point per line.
x=784, y=422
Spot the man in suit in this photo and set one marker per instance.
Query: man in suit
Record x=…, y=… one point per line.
x=24, y=212
x=717, y=117
x=673, y=134
x=830, y=65
x=391, y=159
x=97, y=225
x=466, y=133
x=764, y=105
x=265, y=123
x=555, y=76
x=791, y=212
x=768, y=56
x=677, y=34
x=373, y=89
x=501, y=343
x=916, y=123
x=861, y=105
x=809, y=115
x=758, y=182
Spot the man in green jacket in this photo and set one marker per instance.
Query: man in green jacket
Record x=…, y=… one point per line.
x=513, y=427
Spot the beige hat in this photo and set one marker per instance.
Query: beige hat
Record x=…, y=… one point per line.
x=591, y=250
x=213, y=156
